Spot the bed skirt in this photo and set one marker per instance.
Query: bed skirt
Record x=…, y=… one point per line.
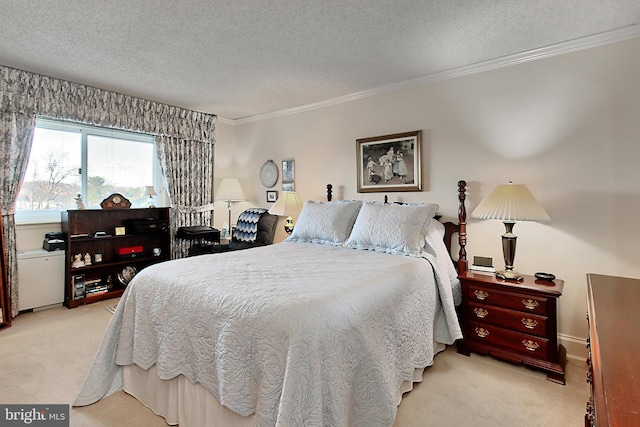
x=179, y=401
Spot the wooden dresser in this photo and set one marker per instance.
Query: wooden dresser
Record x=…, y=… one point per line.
x=613, y=313
x=514, y=321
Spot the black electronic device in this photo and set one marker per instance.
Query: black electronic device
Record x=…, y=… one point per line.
x=146, y=225
x=78, y=287
x=53, y=241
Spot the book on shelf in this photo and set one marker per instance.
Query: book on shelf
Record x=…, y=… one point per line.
x=482, y=268
x=97, y=290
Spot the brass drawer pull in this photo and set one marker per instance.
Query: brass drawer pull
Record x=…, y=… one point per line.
x=529, y=323
x=480, y=312
x=480, y=294
x=482, y=332
x=530, y=345
x=530, y=304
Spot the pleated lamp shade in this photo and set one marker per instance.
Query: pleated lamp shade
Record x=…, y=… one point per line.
x=511, y=202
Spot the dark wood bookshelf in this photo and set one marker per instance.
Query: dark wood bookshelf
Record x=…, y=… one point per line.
x=87, y=223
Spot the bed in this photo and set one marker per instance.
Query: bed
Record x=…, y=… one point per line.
x=329, y=327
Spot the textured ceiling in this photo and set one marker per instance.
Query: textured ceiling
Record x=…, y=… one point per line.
x=242, y=58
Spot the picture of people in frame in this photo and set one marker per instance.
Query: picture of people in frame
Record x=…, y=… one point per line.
x=387, y=163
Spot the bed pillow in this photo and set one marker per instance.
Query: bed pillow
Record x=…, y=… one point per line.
x=436, y=247
x=325, y=222
x=392, y=228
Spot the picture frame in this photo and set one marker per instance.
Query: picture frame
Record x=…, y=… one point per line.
x=288, y=171
x=390, y=162
x=288, y=186
x=272, y=196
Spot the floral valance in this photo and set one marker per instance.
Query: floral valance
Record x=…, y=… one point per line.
x=34, y=94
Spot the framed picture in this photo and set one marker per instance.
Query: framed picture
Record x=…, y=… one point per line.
x=390, y=162
x=272, y=196
x=288, y=171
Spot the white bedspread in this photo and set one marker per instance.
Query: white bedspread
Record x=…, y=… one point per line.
x=299, y=334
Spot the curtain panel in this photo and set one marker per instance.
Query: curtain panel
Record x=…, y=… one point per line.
x=191, y=198
x=25, y=95
x=16, y=134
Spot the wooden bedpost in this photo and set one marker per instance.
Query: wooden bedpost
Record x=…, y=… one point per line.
x=462, y=262
x=329, y=190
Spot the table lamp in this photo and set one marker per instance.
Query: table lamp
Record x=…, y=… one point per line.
x=289, y=205
x=230, y=191
x=152, y=196
x=510, y=203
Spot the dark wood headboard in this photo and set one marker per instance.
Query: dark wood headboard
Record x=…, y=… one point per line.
x=450, y=228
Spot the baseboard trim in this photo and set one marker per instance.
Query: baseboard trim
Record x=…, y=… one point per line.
x=576, y=347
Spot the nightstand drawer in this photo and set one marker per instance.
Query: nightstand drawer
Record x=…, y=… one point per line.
x=520, y=302
x=509, y=319
x=525, y=344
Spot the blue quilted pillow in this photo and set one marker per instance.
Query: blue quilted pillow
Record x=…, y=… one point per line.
x=247, y=227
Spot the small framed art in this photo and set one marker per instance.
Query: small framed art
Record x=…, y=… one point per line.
x=288, y=171
x=272, y=196
x=389, y=163
x=288, y=186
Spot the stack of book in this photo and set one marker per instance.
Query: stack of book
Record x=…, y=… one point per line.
x=94, y=287
x=482, y=269
x=483, y=265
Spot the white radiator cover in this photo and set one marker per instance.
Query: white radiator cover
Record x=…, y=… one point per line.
x=40, y=278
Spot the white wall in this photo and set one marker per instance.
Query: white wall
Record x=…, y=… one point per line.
x=568, y=127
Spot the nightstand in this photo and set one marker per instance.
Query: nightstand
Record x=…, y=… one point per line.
x=513, y=321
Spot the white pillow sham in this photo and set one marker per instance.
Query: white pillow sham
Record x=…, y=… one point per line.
x=325, y=222
x=436, y=247
x=392, y=228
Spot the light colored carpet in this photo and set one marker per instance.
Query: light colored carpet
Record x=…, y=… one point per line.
x=45, y=356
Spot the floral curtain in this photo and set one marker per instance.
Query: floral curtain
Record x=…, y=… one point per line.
x=16, y=133
x=24, y=96
x=190, y=197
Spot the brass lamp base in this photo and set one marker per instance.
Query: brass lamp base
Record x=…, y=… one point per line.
x=288, y=225
x=509, y=275
x=509, y=251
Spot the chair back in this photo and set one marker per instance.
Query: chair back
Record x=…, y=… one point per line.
x=255, y=227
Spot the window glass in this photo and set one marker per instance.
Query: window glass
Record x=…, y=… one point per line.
x=52, y=179
x=70, y=159
x=118, y=166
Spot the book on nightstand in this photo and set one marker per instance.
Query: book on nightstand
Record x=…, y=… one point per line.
x=483, y=269
x=483, y=265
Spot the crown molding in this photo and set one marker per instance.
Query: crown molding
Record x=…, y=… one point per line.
x=588, y=42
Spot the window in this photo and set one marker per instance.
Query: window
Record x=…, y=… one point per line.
x=71, y=159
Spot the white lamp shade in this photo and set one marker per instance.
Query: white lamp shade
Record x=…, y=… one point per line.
x=511, y=202
x=230, y=191
x=151, y=191
x=288, y=204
